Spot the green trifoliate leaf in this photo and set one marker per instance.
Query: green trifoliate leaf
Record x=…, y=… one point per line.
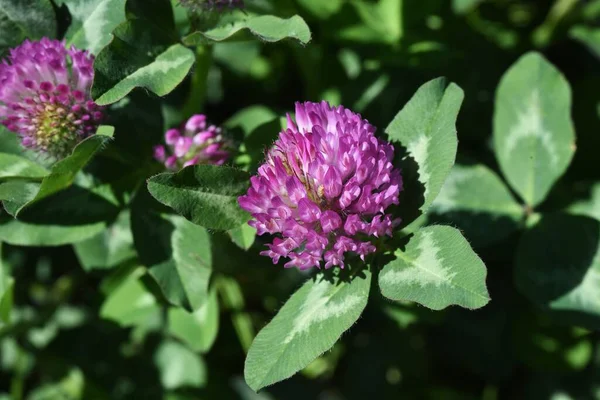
x=308, y=324
x=177, y=254
x=425, y=133
x=139, y=55
x=9, y=142
x=243, y=236
x=130, y=303
x=250, y=118
x=21, y=195
x=265, y=27
x=93, y=22
x=56, y=220
x=19, y=233
x=25, y=19
x=534, y=137
x=437, y=269
x=204, y=194
x=108, y=248
x=478, y=203
x=558, y=266
x=14, y=167
x=179, y=366
x=198, y=329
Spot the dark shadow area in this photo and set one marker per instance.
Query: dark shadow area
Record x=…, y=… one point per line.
x=70, y=207
x=139, y=122
x=554, y=256
x=480, y=229
x=260, y=141
x=153, y=241
x=97, y=349
x=354, y=269
x=478, y=342
x=412, y=196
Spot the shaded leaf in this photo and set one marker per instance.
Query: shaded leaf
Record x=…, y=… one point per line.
x=70, y=387
x=130, y=304
x=9, y=142
x=476, y=201
x=383, y=17
x=589, y=37
x=108, y=248
x=14, y=166
x=243, y=236
x=322, y=9
x=558, y=266
x=464, y=6
x=16, y=193
x=62, y=174
x=198, y=330
x=179, y=366
x=19, y=233
x=25, y=19
x=58, y=219
x=589, y=206
x=177, y=254
x=6, y=292
x=250, y=118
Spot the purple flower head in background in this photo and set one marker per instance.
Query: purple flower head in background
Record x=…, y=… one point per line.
x=324, y=188
x=196, y=142
x=219, y=5
x=45, y=96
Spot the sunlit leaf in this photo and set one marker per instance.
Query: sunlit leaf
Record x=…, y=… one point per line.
x=139, y=55
x=425, y=133
x=179, y=366
x=534, y=136
x=204, y=194
x=265, y=27
x=93, y=22
x=437, y=269
x=307, y=325
x=199, y=329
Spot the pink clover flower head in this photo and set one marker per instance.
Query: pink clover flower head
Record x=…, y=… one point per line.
x=210, y=5
x=195, y=142
x=324, y=188
x=45, y=96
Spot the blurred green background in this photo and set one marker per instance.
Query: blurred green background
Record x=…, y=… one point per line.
x=90, y=325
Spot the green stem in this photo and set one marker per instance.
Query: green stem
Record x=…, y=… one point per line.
x=17, y=382
x=233, y=300
x=195, y=101
x=542, y=35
